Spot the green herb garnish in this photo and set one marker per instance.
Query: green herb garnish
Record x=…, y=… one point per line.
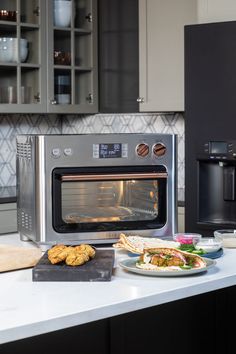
x=186, y=266
x=191, y=249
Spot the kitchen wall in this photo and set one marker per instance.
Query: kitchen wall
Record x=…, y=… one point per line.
x=11, y=125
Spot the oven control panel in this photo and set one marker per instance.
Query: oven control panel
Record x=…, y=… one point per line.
x=111, y=150
x=118, y=150
x=115, y=150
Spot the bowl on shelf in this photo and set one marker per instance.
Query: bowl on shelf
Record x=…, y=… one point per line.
x=187, y=238
x=209, y=244
x=7, y=15
x=227, y=237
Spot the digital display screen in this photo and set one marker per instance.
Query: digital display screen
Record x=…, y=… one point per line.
x=110, y=150
x=218, y=147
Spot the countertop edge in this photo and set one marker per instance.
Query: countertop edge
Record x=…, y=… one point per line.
x=80, y=318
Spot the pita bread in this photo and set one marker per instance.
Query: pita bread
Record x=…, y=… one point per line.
x=136, y=244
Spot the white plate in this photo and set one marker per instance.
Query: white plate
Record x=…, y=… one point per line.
x=130, y=265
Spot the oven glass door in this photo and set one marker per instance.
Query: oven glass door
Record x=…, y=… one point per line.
x=109, y=199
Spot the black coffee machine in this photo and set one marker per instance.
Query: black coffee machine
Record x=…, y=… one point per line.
x=210, y=127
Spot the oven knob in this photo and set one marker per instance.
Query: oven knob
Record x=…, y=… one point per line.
x=159, y=149
x=142, y=150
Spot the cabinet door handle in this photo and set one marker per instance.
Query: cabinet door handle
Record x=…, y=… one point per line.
x=140, y=99
x=53, y=102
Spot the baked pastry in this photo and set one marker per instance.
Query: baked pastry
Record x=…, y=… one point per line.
x=73, y=256
x=86, y=249
x=57, y=254
x=76, y=258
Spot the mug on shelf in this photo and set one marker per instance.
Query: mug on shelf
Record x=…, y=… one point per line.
x=62, y=89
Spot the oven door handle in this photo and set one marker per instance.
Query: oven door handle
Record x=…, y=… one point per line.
x=109, y=177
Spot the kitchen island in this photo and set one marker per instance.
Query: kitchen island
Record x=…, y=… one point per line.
x=124, y=315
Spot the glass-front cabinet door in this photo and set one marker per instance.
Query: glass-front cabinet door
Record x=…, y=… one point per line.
x=72, y=56
x=22, y=58
x=48, y=56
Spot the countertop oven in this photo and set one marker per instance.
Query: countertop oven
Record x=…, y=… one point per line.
x=89, y=188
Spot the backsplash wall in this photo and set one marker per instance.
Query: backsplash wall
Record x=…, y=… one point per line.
x=11, y=125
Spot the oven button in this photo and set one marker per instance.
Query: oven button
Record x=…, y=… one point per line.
x=142, y=150
x=68, y=151
x=56, y=152
x=159, y=149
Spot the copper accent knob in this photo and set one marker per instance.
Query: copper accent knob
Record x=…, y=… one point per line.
x=142, y=150
x=159, y=149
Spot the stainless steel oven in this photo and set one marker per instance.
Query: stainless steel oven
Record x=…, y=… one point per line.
x=89, y=188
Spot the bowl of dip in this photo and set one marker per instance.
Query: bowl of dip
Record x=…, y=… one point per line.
x=227, y=237
x=209, y=244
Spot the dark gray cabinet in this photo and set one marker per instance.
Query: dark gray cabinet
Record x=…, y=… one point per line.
x=57, y=70
x=192, y=325
x=118, y=56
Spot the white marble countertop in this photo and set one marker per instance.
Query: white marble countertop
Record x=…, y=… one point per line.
x=30, y=308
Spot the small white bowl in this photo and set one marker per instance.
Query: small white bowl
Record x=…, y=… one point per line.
x=209, y=244
x=227, y=237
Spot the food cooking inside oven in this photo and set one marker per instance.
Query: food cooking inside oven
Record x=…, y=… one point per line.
x=109, y=200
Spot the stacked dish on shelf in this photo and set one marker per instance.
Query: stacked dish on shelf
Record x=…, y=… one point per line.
x=8, y=15
x=9, y=49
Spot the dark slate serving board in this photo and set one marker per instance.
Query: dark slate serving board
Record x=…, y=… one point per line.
x=97, y=269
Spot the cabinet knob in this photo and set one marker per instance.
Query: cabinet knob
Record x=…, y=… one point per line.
x=37, y=97
x=36, y=11
x=89, y=17
x=90, y=98
x=140, y=99
x=53, y=102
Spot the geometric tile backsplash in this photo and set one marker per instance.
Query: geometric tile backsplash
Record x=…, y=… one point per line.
x=13, y=124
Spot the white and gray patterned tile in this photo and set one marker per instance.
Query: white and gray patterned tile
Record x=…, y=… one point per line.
x=11, y=125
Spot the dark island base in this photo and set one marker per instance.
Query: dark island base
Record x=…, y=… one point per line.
x=199, y=324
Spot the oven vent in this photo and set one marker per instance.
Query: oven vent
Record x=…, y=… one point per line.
x=23, y=150
x=24, y=220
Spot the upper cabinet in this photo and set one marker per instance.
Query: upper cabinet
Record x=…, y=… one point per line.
x=118, y=56
x=22, y=62
x=141, y=54
x=161, y=53
x=48, y=56
x=72, y=56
